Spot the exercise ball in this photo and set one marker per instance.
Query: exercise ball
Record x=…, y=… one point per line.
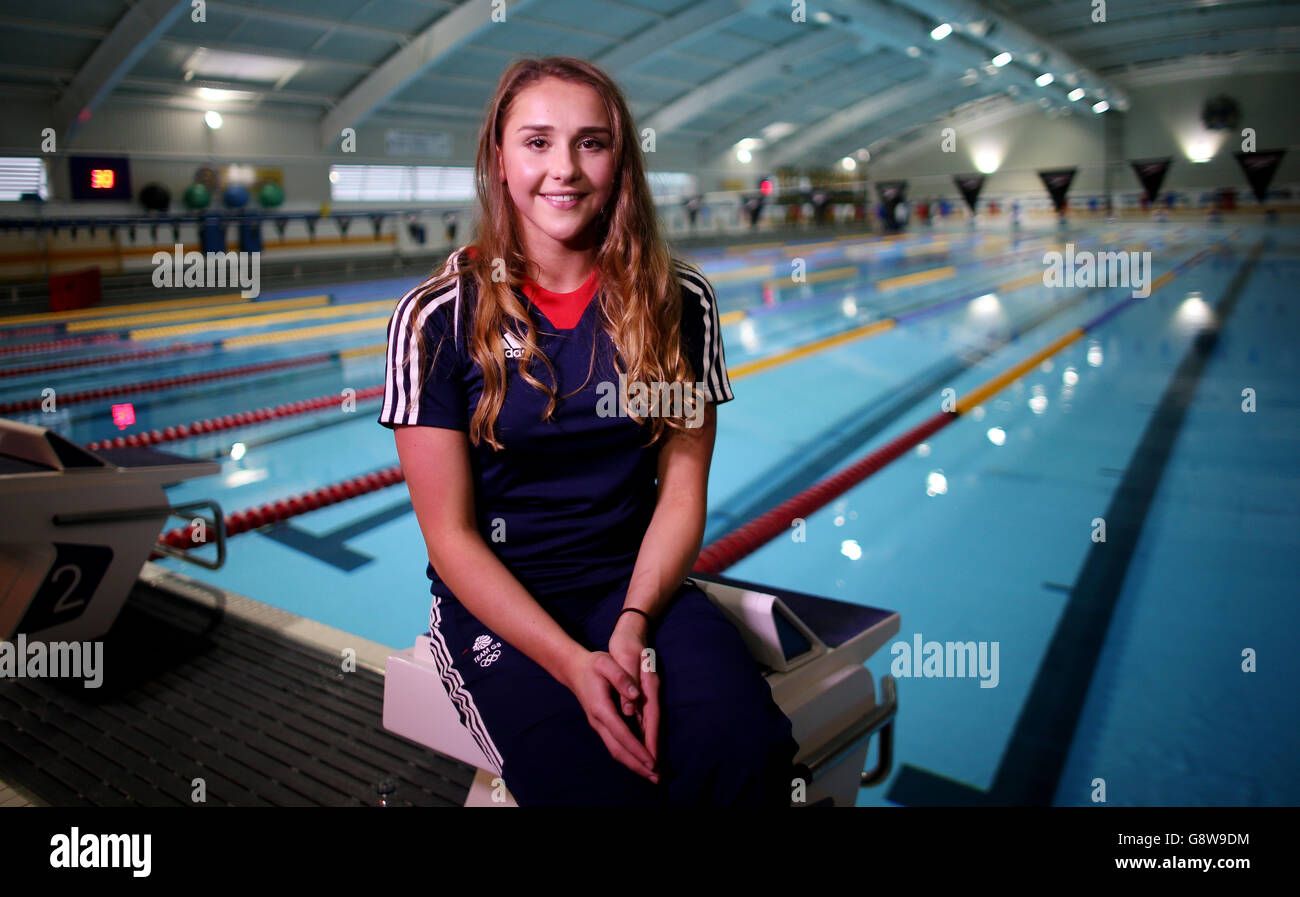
x=155, y=198
x=271, y=195
x=235, y=197
x=196, y=196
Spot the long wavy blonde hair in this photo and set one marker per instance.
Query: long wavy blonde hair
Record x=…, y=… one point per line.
x=640, y=295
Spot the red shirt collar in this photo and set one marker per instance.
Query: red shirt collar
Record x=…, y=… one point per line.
x=564, y=310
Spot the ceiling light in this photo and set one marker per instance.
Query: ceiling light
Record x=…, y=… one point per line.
x=213, y=119
x=1101, y=107
x=219, y=94
x=1077, y=94
x=1044, y=79
x=1002, y=59
x=224, y=65
x=941, y=31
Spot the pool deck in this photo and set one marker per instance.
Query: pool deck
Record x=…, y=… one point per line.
x=203, y=683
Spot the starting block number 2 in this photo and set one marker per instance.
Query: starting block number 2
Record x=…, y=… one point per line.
x=68, y=586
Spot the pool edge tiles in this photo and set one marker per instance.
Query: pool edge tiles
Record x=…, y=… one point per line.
x=369, y=654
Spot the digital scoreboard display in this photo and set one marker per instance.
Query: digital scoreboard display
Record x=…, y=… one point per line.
x=99, y=177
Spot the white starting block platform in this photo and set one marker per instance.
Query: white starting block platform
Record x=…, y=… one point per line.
x=813, y=650
x=78, y=526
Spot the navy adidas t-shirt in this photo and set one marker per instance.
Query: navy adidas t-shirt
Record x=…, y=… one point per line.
x=573, y=496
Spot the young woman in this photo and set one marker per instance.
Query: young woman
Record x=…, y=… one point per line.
x=560, y=483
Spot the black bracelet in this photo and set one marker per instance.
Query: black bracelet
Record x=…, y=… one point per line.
x=633, y=610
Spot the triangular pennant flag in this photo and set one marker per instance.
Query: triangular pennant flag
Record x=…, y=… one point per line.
x=1151, y=173
x=1057, y=181
x=1259, y=169
x=970, y=186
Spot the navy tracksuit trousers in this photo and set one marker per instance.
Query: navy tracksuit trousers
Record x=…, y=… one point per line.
x=723, y=741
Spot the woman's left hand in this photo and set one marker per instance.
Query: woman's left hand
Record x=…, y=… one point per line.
x=627, y=645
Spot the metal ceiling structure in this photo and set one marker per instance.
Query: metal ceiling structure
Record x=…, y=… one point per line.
x=856, y=74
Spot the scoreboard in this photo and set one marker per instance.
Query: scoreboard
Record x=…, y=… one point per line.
x=99, y=177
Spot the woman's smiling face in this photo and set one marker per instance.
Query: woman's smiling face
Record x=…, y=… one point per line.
x=556, y=141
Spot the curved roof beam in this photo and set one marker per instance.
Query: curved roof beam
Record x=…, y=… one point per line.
x=116, y=55
x=999, y=109
x=833, y=127
x=738, y=79
x=447, y=33
x=797, y=104
x=707, y=16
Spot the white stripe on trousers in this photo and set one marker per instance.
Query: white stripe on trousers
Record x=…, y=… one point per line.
x=455, y=687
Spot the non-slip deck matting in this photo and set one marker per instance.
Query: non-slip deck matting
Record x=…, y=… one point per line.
x=192, y=693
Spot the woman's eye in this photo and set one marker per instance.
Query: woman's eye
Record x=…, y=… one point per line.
x=596, y=144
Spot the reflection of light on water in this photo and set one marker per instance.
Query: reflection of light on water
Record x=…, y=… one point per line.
x=977, y=413
x=936, y=483
x=839, y=520
x=1194, y=311
x=244, y=477
x=1038, y=404
x=923, y=450
x=1070, y=376
x=1095, y=356
x=997, y=436
x=749, y=336
x=988, y=304
x=237, y=451
x=850, y=549
x=849, y=306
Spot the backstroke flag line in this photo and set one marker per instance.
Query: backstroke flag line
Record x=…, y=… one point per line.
x=1259, y=169
x=1057, y=181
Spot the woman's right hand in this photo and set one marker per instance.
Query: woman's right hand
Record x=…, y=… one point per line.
x=591, y=678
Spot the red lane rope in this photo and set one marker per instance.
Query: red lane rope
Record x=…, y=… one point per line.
x=277, y=511
x=230, y=421
x=71, y=342
x=129, y=388
x=726, y=551
x=742, y=542
x=22, y=331
x=108, y=359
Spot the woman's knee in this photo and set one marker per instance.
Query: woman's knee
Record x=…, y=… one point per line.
x=737, y=761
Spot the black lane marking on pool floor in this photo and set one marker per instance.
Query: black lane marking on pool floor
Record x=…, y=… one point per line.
x=332, y=547
x=832, y=444
x=1039, y=744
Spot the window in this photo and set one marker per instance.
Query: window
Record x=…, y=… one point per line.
x=669, y=185
x=400, y=183
x=19, y=175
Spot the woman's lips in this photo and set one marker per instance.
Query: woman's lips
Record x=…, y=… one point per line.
x=555, y=204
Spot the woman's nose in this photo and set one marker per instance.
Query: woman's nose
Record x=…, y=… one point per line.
x=563, y=163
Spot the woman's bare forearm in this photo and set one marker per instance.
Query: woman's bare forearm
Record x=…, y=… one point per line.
x=669, y=550
x=492, y=594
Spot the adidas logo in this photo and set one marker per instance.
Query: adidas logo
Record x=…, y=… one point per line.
x=514, y=349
